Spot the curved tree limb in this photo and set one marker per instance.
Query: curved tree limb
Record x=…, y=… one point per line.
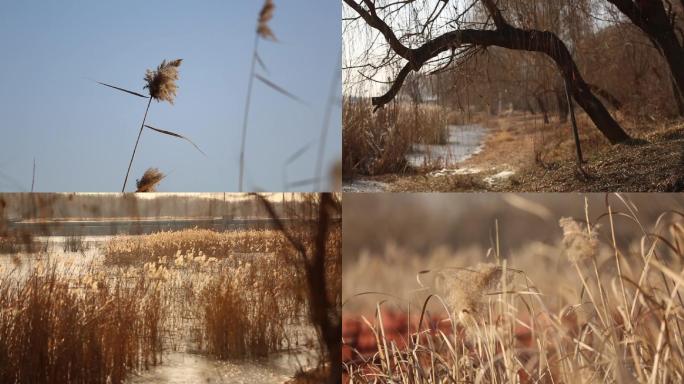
x=505, y=36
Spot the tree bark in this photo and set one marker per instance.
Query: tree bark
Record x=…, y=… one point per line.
x=505, y=36
x=528, y=106
x=679, y=99
x=542, y=107
x=606, y=95
x=563, y=108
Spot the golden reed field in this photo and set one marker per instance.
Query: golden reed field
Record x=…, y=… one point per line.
x=589, y=292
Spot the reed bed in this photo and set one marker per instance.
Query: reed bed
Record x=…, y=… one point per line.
x=77, y=327
x=378, y=142
x=13, y=242
x=252, y=322
x=607, y=312
x=65, y=318
x=198, y=242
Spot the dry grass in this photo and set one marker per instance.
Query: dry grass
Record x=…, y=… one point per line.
x=656, y=165
x=251, y=322
x=149, y=181
x=543, y=159
x=72, y=319
x=124, y=250
x=251, y=288
x=74, y=244
x=607, y=312
x=89, y=327
x=377, y=143
x=13, y=242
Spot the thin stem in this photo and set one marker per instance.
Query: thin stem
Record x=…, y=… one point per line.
x=33, y=177
x=136, y=145
x=244, y=124
x=324, y=131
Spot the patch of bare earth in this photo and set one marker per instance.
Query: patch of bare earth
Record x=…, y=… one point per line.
x=655, y=165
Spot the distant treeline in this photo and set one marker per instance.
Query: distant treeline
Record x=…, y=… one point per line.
x=47, y=206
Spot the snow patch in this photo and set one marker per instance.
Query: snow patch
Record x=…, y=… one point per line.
x=501, y=176
x=454, y=171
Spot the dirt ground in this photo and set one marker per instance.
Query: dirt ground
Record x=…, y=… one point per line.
x=522, y=154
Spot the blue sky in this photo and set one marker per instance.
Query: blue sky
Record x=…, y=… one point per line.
x=82, y=134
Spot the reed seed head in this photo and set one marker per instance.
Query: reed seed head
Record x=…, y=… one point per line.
x=265, y=16
x=465, y=290
x=580, y=244
x=149, y=180
x=162, y=81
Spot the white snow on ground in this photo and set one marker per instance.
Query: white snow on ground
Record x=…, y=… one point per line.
x=463, y=142
x=455, y=171
x=501, y=176
x=364, y=186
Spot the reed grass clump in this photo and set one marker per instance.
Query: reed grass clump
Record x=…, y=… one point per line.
x=246, y=313
x=580, y=241
x=149, y=181
x=465, y=289
x=378, y=142
x=13, y=242
x=75, y=329
x=612, y=319
x=74, y=244
x=124, y=250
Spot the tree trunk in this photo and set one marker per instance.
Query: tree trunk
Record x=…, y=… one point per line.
x=528, y=105
x=542, y=107
x=674, y=55
x=652, y=18
x=554, y=47
x=563, y=108
x=606, y=95
x=679, y=99
x=505, y=36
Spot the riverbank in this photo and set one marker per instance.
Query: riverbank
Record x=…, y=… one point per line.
x=520, y=153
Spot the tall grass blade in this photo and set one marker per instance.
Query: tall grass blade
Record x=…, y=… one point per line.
x=33, y=177
x=298, y=153
x=279, y=89
x=124, y=90
x=175, y=135
x=302, y=183
x=261, y=64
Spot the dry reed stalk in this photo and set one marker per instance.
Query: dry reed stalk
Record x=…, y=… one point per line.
x=526, y=336
x=378, y=142
x=161, y=84
x=263, y=31
x=58, y=328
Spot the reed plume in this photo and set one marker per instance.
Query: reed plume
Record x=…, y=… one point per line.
x=162, y=87
x=161, y=83
x=149, y=181
x=579, y=242
x=465, y=290
x=266, y=14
